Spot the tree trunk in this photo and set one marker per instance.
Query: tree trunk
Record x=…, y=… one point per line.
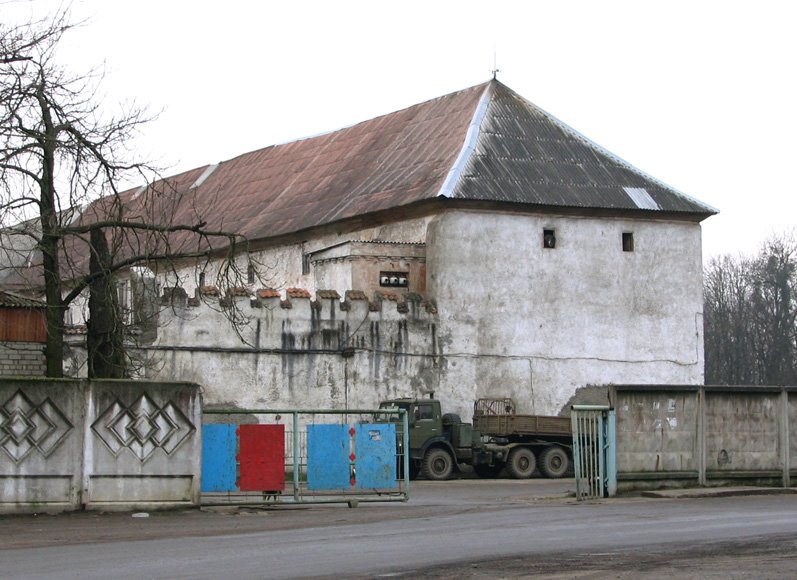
x=54, y=315
x=105, y=337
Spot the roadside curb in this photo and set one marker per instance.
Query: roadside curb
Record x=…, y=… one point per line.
x=701, y=492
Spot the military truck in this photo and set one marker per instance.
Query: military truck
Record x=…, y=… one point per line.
x=497, y=439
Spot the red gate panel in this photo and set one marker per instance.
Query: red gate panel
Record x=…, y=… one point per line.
x=261, y=457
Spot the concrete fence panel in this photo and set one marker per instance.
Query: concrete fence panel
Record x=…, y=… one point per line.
x=689, y=435
x=41, y=443
x=743, y=435
x=657, y=433
x=74, y=444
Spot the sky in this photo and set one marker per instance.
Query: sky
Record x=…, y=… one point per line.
x=702, y=95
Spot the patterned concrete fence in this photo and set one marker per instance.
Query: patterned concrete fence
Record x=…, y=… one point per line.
x=687, y=435
x=67, y=444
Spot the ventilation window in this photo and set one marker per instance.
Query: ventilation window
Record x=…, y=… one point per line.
x=250, y=274
x=628, y=242
x=548, y=239
x=201, y=279
x=305, y=264
x=394, y=279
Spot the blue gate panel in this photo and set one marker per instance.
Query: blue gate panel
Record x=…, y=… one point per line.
x=375, y=446
x=328, y=457
x=219, y=469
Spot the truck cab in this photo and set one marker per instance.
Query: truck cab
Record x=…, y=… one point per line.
x=438, y=442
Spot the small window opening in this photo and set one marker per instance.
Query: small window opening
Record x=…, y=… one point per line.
x=305, y=264
x=548, y=239
x=201, y=279
x=394, y=279
x=628, y=242
x=250, y=274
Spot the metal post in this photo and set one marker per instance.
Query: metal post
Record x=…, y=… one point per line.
x=297, y=467
x=405, y=435
x=611, y=453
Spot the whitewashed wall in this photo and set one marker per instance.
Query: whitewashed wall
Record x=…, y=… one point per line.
x=506, y=317
x=537, y=324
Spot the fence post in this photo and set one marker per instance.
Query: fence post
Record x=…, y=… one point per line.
x=785, y=439
x=701, y=437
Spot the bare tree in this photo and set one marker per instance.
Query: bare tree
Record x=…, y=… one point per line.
x=750, y=311
x=62, y=158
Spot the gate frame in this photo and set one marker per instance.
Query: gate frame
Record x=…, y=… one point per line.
x=352, y=499
x=604, y=456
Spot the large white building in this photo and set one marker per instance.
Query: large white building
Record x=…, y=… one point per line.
x=493, y=251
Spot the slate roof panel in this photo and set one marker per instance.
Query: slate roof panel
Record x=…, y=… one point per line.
x=524, y=155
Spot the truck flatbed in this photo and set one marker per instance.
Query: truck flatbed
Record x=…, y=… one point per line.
x=497, y=418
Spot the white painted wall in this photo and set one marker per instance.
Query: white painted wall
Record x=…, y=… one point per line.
x=513, y=319
x=534, y=323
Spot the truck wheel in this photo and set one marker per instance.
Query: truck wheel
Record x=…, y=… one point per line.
x=521, y=463
x=488, y=471
x=554, y=462
x=437, y=464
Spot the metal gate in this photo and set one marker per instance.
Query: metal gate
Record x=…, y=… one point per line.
x=307, y=456
x=594, y=451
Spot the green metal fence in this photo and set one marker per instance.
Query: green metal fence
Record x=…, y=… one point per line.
x=594, y=451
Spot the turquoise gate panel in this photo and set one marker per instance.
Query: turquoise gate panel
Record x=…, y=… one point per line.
x=328, y=462
x=219, y=469
x=375, y=448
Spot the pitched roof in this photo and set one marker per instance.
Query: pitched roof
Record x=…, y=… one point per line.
x=482, y=143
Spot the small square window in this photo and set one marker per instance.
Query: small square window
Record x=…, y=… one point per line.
x=628, y=242
x=548, y=239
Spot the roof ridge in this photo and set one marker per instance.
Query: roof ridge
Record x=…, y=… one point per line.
x=469, y=144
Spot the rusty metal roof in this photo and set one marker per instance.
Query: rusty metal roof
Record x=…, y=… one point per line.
x=482, y=143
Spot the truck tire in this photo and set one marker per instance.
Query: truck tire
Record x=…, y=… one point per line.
x=554, y=462
x=437, y=464
x=488, y=471
x=521, y=463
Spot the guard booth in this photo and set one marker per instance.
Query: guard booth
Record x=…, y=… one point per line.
x=304, y=456
x=594, y=451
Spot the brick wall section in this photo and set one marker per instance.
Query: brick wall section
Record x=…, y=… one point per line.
x=24, y=359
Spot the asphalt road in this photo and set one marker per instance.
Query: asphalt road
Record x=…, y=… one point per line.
x=462, y=529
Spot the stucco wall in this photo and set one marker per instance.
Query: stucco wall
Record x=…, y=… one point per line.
x=537, y=324
x=300, y=353
x=510, y=317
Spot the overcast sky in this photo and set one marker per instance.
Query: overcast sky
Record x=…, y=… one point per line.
x=701, y=95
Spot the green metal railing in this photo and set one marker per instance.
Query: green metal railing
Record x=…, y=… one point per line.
x=594, y=451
